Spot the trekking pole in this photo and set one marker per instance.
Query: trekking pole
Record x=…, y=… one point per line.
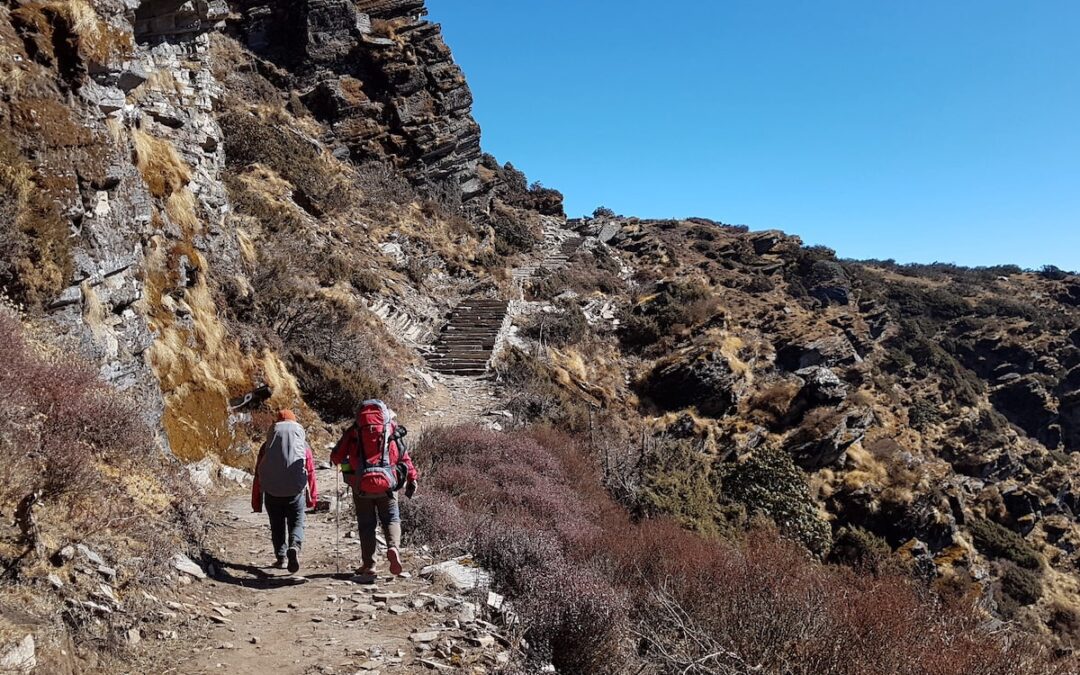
x=337, y=526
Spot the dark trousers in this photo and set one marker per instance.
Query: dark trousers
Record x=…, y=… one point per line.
x=286, y=521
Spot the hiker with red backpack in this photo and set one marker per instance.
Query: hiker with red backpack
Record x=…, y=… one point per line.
x=285, y=482
x=376, y=464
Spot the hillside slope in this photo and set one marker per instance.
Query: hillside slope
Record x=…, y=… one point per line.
x=203, y=198
x=932, y=408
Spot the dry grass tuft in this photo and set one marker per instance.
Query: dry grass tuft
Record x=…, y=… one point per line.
x=35, y=249
x=180, y=207
x=96, y=40
x=159, y=164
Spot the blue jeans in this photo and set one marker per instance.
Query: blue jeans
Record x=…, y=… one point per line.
x=286, y=521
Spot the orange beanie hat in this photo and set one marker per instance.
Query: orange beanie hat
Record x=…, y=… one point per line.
x=286, y=416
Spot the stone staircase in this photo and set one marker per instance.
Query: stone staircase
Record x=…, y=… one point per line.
x=465, y=346
x=467, y=342
x=560, y=246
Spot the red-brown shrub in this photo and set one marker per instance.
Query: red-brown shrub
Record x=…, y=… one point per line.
x=67, y=434
x=598, y=593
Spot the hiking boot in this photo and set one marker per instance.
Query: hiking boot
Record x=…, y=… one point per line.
x=294, y=560
x=279, y=563
x=395, y=561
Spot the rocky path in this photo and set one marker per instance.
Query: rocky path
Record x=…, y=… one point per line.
x=249, y=619
x=471, y=336
x=559, y=245
x=246, y=618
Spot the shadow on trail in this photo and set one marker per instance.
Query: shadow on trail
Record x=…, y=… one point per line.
x=259, y=579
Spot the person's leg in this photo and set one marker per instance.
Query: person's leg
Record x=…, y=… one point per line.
x=276, y=513
x=365, y=527
x=390, y=517
x=295, y=518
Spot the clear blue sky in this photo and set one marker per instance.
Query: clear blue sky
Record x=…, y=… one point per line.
x=919, y=131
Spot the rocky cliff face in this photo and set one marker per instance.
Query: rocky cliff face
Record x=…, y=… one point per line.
x=383, y=83
x=135, y=125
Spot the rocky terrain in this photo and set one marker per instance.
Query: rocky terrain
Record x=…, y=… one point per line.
x=932, y=408
x=212, y=209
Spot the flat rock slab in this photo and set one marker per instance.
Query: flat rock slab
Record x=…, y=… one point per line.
x=463, y=577
x=184, y=564
x=427, y=636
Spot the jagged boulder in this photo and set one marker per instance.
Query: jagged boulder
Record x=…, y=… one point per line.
x=1026, y=504
x=826, y=433
x=822, y=387
x=828, y=350
x=1025, y=402
x=829, y=282
x=700, y=378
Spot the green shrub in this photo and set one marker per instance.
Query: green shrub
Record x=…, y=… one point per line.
x=676, y=483
x=923, y=413
x=769, y=483
x=320, y=188
x=512, y=233
x=998, y=541
x=567, y=327
x=333, y=391
x=675, y=305
x=1020, y=585
x=858, y=547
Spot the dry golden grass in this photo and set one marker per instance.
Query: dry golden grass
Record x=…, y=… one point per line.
x=97, y=40
x=389, y=29
x=34, y=237
x=180, y=207
x=199, y=365
x=159, y=164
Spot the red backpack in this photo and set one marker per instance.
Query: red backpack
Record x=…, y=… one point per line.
x=375, y=436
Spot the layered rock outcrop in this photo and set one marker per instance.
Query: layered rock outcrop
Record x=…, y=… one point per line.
x=384, y=83
x=127, y=116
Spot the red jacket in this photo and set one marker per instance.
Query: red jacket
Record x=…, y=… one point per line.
x=312, y=489
x=348, y=449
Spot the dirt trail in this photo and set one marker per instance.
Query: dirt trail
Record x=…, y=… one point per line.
x=252, y=619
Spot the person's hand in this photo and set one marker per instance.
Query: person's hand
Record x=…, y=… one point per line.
x=410, y=489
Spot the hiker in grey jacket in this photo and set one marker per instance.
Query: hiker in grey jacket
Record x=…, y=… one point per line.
x=285, y=482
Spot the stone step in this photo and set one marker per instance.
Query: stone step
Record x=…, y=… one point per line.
x=488, y=345
x=462, y=371
x=490, y=320
x=477, y=353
